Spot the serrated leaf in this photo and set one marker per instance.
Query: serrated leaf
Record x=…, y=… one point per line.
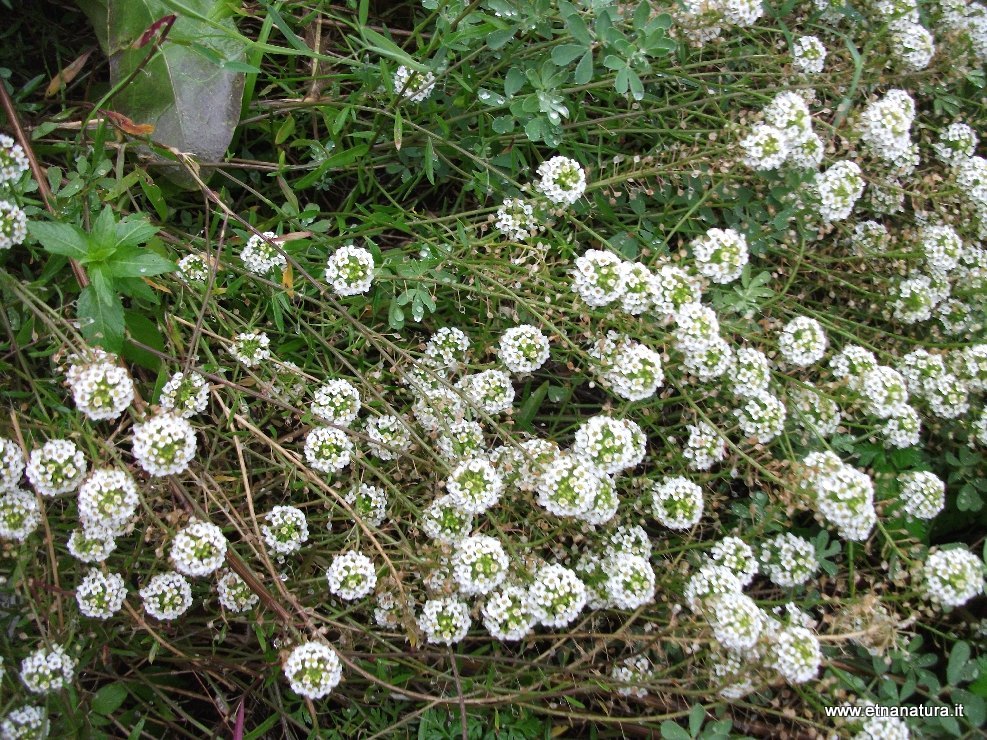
x=137, y=262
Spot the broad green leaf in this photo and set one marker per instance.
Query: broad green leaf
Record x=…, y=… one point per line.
x=109, y=698
x=584, y=70
x=101, y=323
x=103, y=232
x=103, y=284
x=60, y=238
x=137, y=262
x=192, y=102
x=567, y=53
x=134, y=230
x=672, y=731
x=145, y=331
x=959, y=659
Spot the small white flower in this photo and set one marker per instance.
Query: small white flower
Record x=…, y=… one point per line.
x=516, y=219
x=351, y=575
x=562, y=180
x=19, y=514
x=337, y=402
x=164, y=444
x=444, y=621
x=630, y=580
x=523, y=349
x=186, y=394
x=11, y=464
x=795, y=653
x=101, y=390
x=25, y=723
x=57, y=467
x=489, y=390
x=923, y=494
x=446, y=521
x=13, y=160
x=369, y=503
x=612, y=445
x=313, y=670
x=193, y=268
x=737, y=555
x=788, y=560
x=808, y=54
x=198, y=549
x=234, y=594
x=599, y=277
x=285, y=529
x=479, y=564
x=92, y=545
x=108, y=498
x=251, y=348
x=414, y=85
x=953, y=577
x=721, y=254
x=260, y=255
x=507, y=613
x=838, y=189
x=47, y=670
x=328, y=449
x=100, y=595
x=350, y=270
x=556, y=596
x=167, y=596
x=736, y=620
x=677, y=502
x=448, y=348
x=13, y=225
x=474, y=486
x=803, y=341
x=765, y=148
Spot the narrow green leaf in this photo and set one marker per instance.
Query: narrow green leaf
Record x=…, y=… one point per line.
x=109, y=698
x=383, y=46
x=429, y=164
x=137, y=262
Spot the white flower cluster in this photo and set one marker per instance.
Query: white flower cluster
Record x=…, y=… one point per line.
x=630, y=369
x=735, y=555
x=612, y=445
x=91, y=545
x=445, y=620
x=260, y=254
x=571, y=487
x=672, y=289
x=523, y=349
x=100, y=595
x=167, y=596
x=795, y=653
x=414, y=85
x=234, y=594
x=870, y=239
x=47, y=669
x=446, y=521
x=11, y=464
x=251, y=348
x=479, y=564
x=817, y=414
x=108, y=499
x=788, y=560
x=837, y=189
x=957, y=142
x=923, y=494
x=350, y=270
x=630, y=580
x=885, y=127
x=198, y=549
x=474, y=485
x=389, y=436
x=599, y=277
x=802, y=342
x=313, y=670
x=915, y=298
x=556, y=595
x=461, y=440
x=489, y=390
x=100, y=388
x=13, y=160
x=785, y=135
x=164, y=444
x=762, y=416
x=703, y=20
x=842, y=495
x=516, y=219
x=808, y=55
x=285, y=529
x=351, y=575
x=704, y=448
x=507, y=613
x=884, y=391
x=953, y=577
x=630, y=674
x=369, y=503
x=13, y=225
x=337, y=402
x=562, y=181
x=19, y=514
x=25, y=723
x=720, y=255
x=56, y=467
x=911, y=45
x=193, y=268
x=677, y=502
x=328, y=449
x=941, y=246
x=186, y=394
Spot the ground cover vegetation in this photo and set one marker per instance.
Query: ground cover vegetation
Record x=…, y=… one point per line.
x=492, y=368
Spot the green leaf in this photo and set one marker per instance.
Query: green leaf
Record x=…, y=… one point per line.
x=577, y=27
x=500, y=39
x=672, y=731
x=429, y=164
x=697, y=714
x=101, y=323
x=134, y=230
x=513, y=82
x=529, y=408
x=170, y=89
x=109, y=699
x=103, y=285
x=103, y=233
x=145, y=331
x=137, y=262
x=567, y=53
x=584, y=70
x=959, y=659
x=56, y=238
x=383, y=46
